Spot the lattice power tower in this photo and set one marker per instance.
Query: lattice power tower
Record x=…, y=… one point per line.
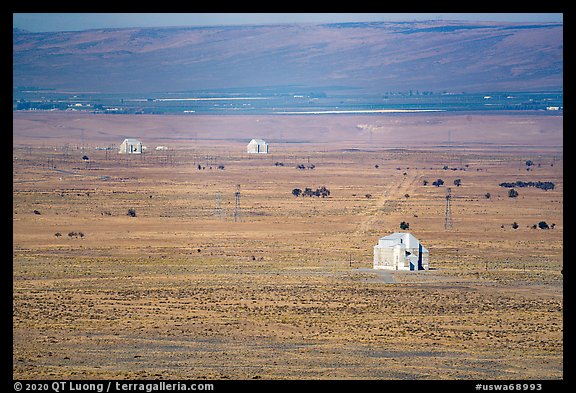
x=448, y=211
x=218, y=205
x=237, y=206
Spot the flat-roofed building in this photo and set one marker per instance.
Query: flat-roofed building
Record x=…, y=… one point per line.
x=400, y=251
x=130, y=146
x=257, y=146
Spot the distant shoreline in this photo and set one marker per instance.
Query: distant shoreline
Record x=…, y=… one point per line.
x=359, y=111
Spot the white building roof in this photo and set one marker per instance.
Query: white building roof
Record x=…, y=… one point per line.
x=132, y=140
x=258, y=141
x=398, y=238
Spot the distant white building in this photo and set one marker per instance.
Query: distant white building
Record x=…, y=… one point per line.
x=257, y=146
x=400, y=251
x=130, y=146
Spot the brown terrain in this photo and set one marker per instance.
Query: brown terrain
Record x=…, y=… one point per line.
x=285, y=289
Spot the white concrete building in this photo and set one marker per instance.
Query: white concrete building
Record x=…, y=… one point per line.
x=400, y=251
x=130, y=146
x=257, y=146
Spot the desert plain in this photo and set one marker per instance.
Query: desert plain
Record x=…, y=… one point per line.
x=194, y=285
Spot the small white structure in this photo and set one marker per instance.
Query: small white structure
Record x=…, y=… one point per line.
x=400, y=251
x=257, y=146
x=130, y=146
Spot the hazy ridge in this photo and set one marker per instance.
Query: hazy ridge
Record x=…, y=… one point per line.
x=370, y=57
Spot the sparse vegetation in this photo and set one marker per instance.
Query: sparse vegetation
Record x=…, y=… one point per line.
x=131, y=212
x=321, y=191
x=144, y=287
x=71, y=234
x=543, y=225
x=544, y=185
x=307, y=192
x=512, y=193
x=446, y=167
x=302, y=166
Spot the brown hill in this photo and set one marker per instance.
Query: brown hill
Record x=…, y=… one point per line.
x=373, y=57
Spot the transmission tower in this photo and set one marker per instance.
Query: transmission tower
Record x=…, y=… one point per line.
x=82, y=140
x=448, y=212
x=218, y=205
x=237, y=207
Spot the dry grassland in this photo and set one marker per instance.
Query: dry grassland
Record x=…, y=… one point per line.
x=287, y=291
